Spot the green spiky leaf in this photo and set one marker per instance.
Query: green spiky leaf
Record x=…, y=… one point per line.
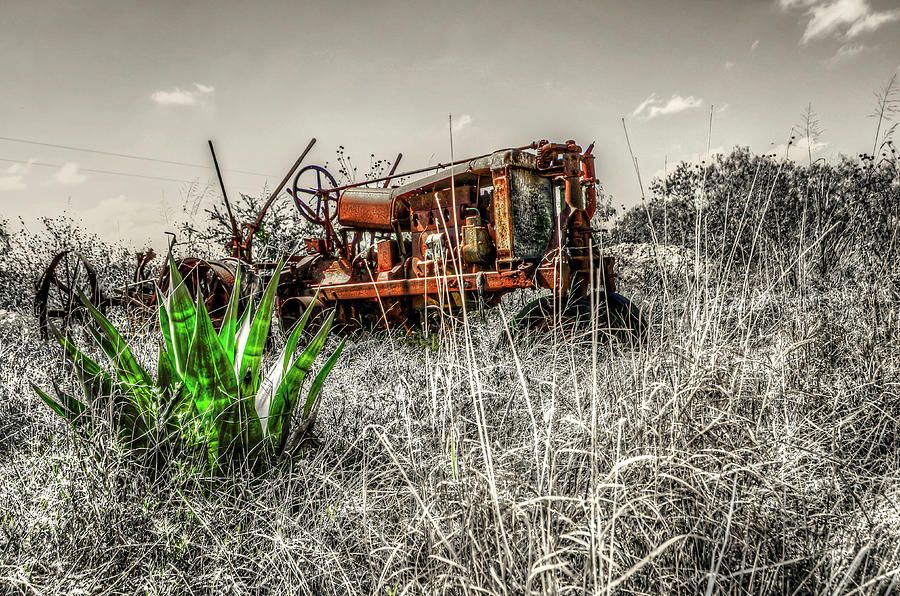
x=198, y=402
x=228, y=421
x=131, y=376
x=70, y=408
x=96, y=381
x=285, y=397
x=316, y=386
x=230, y=321
x=166, y=375
x=298, y=329
x=165, y=325
x=252, y=349
x=182, y=316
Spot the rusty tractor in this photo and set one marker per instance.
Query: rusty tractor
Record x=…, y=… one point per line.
x=405, y=256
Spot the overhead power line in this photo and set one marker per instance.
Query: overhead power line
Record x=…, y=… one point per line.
x=56, y=165
x=125, y=155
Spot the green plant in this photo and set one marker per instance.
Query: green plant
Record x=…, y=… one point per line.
x=209, y=394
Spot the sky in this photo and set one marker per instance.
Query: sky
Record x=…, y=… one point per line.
x=158, y=79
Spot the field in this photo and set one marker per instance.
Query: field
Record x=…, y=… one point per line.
x=749, y=446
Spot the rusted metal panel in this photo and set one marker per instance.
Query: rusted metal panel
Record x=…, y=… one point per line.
x=443, y=200
x=433, y=212
x=531, y=207
x=556, y=276
x=493, y=281
x=503, y=216
x=387, y=255
x=477, y=245
x=337, y=274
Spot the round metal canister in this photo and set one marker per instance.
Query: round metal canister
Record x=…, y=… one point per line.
x=370, y=209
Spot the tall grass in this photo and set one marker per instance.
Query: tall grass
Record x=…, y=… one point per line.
x=750, y=446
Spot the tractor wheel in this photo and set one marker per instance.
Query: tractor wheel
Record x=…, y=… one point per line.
x=57, y=302
x=290, y=309
x=213, y=279
x=615, y=317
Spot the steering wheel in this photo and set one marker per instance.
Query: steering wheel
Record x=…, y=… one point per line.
x=324, y=208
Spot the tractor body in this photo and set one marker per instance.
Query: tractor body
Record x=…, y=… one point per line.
x=461, y=237
x=457, y=239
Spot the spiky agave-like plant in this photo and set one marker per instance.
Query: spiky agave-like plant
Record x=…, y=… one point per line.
x=209, y=393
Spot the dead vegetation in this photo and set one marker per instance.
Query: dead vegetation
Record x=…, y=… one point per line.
x=751, y=446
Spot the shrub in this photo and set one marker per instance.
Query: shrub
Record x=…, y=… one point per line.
x=282, y=230
x=24, y=255
x=756, y=213
x=209, y=395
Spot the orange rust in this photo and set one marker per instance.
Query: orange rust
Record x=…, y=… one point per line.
x=502, y=216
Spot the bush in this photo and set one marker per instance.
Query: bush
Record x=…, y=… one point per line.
x=281, y=232
x=24, y=256
x=833, y=219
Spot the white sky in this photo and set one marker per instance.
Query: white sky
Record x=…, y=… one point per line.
x=158, y=79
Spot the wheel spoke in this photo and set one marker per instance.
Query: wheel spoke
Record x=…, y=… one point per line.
x=74, y=280
x=319, y=206
x=314, y=212
x=64, y=287
x=308, y=211
x=66, y=267
x=60, y=295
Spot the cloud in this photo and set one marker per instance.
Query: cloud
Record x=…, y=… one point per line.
x=651, y=99
x=118, y=208
x=68, y=174
x=13, y=177
x=653, y=106
x=807, y=143
x=18, y=168
x=121, y=216
x=872, y=22
x=697, y=159
x=182, y=98
x=846, y=18
x=799, y=150
x=463, y=121
x=176, y=98
x=13, y=182
x=828, y=18
x=846, y=52
x=788, y=4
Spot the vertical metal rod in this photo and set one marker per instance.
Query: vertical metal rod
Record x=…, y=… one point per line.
x=281, y=184
x=394, y=169
x=287, y=176
x=234, y=228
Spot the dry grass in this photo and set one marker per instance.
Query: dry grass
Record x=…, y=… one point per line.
x=750, y=447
